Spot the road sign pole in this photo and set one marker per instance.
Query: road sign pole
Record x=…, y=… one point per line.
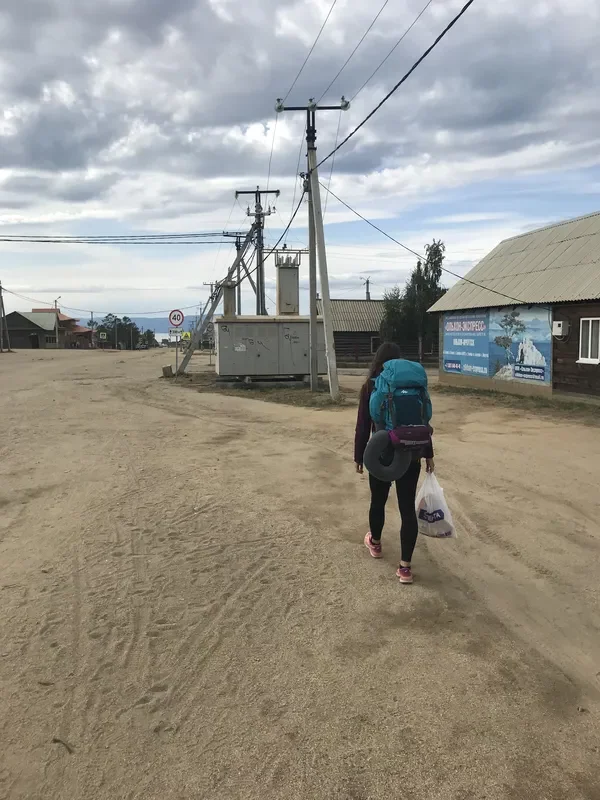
x=176, y=357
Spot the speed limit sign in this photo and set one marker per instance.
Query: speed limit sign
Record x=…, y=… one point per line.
x=176, y=318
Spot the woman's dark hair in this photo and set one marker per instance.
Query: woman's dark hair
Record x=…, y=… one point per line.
x=385, y=352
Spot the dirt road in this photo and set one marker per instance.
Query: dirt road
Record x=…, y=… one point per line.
x=188, y=611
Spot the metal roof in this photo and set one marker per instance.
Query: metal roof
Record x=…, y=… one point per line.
x=43, y=321
x=61, y=317
x=355, y=316
x=556, y=264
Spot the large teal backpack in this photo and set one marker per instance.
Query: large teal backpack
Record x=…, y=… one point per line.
x=400, y=396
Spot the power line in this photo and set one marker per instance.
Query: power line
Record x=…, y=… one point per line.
x=337, y=136
x=419, y=255
x=310, y=51
x=272, y=149
x=287, y=227
x=116, y=237
x=298, y=170
x=347, y=61
x=94, y=311
x=235, y=199
x=402, y=80
x=400, y=40
x=117, y=243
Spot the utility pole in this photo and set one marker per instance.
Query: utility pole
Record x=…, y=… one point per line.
x=56, y=320
x=259, y=215
x=213, y=301
x=318, y=241
x=312, y=292
x=367, y=283
x=238, y=288
x=116, y=333
x=3, y=325
x=93, y=342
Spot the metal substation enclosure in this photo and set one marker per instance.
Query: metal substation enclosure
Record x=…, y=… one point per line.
x=266, y=347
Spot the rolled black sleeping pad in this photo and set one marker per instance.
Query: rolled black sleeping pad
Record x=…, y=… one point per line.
x=383, y=460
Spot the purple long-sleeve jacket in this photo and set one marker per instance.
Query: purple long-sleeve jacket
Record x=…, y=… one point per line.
x=365, y=426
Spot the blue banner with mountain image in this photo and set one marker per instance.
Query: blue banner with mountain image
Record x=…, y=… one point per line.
x=521, y=344
x=505, y=345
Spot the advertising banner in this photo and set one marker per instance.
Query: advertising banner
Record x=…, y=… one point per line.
x=506, y=345
x=466, y=344
x=521, y=345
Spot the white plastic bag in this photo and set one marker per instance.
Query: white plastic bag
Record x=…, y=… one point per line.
x=434, y=516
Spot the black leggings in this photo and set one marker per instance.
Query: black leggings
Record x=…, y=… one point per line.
x=406, y=489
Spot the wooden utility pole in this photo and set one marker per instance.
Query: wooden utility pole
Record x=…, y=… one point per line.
x=259, y=215
x=4, y=335
x=317, y=242
x=56, y=321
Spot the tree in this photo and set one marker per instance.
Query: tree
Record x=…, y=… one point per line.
x=148, y=338
x=512, y=326
x=405, y=317
x=122, y=333
x=392, y=325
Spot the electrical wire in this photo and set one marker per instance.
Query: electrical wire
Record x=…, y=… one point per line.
x=302, y=141
x=399, y=42
x=220, y=246
x=115, y=244
x=272, y=149
x=419, y=61
x=118, y=238
x=90, y=311
x=310, y=51
x=347, y=61
x=337, y=136
x=419, y=255
x=272, y=250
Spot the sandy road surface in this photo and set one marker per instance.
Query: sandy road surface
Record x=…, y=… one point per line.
x=187, y=606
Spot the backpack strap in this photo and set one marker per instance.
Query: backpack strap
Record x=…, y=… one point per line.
x=392, y=407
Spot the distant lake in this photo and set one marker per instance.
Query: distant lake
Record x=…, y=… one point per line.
x=499, y=353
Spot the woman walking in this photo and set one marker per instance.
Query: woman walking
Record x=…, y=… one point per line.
x=406, y=486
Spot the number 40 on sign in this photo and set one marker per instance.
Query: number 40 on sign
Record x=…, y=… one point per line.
x=176, y=318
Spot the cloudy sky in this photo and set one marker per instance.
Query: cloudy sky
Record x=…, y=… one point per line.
x=129, y=116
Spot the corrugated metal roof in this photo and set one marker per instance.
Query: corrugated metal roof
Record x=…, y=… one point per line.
x=43, y=321
x=556, y=264
x=355, y=316
x=61, y=317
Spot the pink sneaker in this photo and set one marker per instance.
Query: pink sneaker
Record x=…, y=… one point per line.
x=373, y=547
x=405, y=574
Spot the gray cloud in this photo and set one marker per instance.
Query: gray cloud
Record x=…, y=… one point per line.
x=152, y=87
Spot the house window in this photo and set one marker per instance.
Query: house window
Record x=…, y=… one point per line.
x=589, y=341
x=50, y=339
x=375, y=342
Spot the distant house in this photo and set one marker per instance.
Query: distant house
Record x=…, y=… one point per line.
x=356, y=333
x=356, y=325
x=36, y=329
x=29, y=330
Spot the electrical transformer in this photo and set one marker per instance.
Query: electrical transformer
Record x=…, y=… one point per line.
x=266, y=346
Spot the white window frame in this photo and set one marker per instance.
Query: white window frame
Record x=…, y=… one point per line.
x=588, y=360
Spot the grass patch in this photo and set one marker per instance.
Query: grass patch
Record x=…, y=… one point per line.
x=574, y=410
x=206, y=383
